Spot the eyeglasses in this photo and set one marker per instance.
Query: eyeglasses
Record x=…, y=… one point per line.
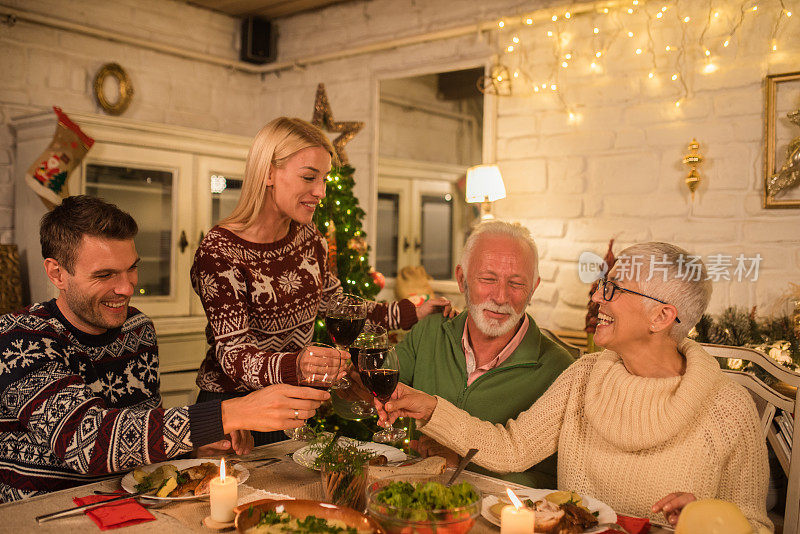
x=609, y=289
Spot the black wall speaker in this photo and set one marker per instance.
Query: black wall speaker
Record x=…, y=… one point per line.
x=259, y=41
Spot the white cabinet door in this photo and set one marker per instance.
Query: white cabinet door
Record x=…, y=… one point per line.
x=393, y=248
x=417, y=219
x=218, y=184
x=156, y=188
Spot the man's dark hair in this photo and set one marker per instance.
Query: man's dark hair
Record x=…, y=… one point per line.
x=62, y=229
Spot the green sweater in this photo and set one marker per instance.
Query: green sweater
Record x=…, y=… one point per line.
x=432, y=360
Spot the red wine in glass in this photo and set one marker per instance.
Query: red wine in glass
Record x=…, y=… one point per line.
x=344, y=330
x=381, y=382
x=380, y=372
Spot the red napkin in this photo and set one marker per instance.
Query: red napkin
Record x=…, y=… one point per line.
x=634, y=525
x=115, y=515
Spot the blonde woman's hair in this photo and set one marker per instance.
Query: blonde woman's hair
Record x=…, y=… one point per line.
x=273, y=145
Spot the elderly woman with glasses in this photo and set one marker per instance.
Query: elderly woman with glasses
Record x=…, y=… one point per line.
x=647, y=425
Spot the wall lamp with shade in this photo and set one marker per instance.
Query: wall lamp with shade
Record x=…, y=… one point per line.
x=485, y=185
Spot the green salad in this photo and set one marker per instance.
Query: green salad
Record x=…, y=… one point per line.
x=272, y=522
x=415, y=501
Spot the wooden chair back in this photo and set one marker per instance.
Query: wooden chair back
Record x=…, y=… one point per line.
x=772, y=401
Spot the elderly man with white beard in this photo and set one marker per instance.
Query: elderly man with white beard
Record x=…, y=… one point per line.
x=491, y=360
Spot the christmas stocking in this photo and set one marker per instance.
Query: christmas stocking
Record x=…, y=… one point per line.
x=47, y=175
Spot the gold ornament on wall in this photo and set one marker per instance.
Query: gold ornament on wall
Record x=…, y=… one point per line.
x=122, y=102
x=323, y=117
x=693, y=159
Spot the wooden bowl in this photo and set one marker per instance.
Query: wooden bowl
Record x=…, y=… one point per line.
x=300, y=509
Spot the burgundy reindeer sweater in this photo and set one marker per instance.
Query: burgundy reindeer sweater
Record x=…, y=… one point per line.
x=261, y=301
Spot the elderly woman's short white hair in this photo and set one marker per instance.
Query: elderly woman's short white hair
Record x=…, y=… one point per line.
x=500, y=228
x=669, y=273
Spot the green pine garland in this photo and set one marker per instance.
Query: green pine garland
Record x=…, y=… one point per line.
x=738, y=327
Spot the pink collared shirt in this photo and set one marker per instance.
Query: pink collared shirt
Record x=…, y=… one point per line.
x=472, y=372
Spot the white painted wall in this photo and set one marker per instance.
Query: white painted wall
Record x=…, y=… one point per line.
x=617, y=172
x=417, y=133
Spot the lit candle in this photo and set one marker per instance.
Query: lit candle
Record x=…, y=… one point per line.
x=224, y=496
x=516, y=519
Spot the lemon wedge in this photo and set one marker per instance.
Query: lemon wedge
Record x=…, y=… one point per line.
x=560, y=497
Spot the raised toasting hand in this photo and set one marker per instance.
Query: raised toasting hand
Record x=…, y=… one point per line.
x=276, y=407
x=406, y=402
x=318, y=360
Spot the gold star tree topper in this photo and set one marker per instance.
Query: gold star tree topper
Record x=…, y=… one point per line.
x=323, y=117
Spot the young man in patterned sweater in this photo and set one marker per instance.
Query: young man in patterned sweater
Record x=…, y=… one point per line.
x=79, y=385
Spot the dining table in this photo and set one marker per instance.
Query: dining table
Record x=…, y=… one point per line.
x=282, y=477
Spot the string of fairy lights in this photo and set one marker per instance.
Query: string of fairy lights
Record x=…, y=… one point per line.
x=581, y=37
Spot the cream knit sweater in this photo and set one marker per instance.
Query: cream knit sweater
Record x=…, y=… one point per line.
x=629, y=440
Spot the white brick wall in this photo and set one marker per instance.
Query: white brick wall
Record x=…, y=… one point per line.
x=42, y=67
x=626, y=152
x=615, y=173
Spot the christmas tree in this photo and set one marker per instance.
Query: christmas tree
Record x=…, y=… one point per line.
x=339, y=218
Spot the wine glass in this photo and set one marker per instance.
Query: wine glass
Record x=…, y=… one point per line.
x=373, y=338
x=316, y=369
x=380, y=370
x=347, y=402
x=344, y=319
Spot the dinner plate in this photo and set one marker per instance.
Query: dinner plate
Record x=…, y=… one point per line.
x=604, y=512
x=306, y=455
x=129, y=483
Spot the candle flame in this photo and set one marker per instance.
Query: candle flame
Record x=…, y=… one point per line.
x=514, y=499
x=222, y=470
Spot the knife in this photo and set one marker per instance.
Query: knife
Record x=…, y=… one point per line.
x=461, y=465
x=79, y=509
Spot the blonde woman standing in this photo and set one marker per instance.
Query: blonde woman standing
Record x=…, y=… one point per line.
x=262, y=272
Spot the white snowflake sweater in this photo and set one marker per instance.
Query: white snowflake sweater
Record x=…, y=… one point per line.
x=262, y=300
x=75, y=407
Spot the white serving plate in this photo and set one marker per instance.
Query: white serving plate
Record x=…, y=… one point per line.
x=129, y=483
x=605, y=513
x=306, y=456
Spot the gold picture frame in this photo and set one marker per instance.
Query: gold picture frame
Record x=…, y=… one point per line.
x=782, y=92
